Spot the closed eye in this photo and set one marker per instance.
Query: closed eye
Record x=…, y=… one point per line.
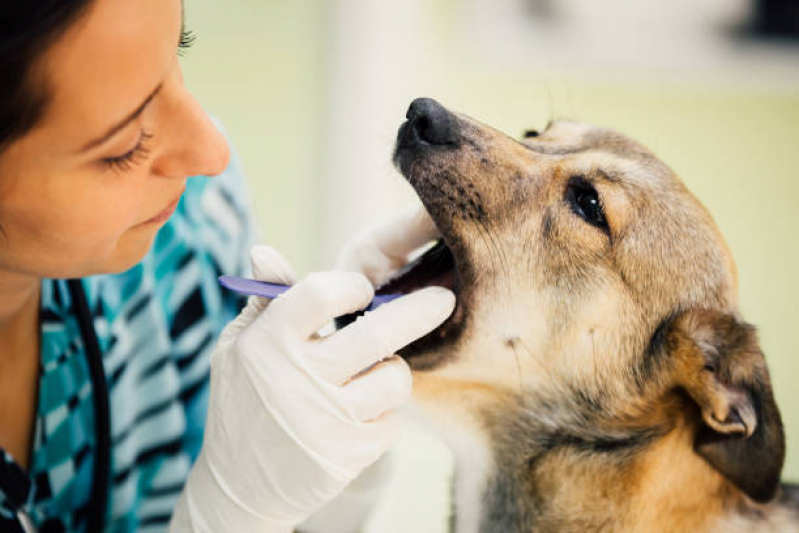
x=584, y=201
x=137, y=154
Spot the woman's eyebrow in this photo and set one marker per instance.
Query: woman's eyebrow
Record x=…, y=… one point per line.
x=122, y=123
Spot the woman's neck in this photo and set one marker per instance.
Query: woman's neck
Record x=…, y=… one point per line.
x=19, y=363
x=19, y=303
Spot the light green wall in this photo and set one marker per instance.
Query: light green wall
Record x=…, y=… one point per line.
x=260, y=66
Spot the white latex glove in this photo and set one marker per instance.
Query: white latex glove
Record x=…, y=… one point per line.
x=288, y=425
x=378, y=251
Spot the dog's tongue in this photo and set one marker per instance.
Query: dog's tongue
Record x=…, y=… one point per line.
x=434, y=267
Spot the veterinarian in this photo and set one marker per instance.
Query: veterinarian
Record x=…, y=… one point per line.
x=134, y=394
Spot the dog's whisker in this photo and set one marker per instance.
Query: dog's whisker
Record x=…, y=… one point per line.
x=518, y=371
x=503, y=258
x=533, y=355
x=483, y=233
x=550, y=103
x=593, y=351
x=502, y=267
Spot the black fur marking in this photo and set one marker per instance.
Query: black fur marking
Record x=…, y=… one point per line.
x=509, y=508
x=589, y=402
x=599, y=444
x=512, y=501
x=547, y=225
x=655, y=355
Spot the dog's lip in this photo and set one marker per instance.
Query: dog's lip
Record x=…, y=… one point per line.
x=436, y=266
x=423, y=353
x=420, y=353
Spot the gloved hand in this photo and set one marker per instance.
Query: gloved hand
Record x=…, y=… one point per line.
x=378, y=251
x=293, y=418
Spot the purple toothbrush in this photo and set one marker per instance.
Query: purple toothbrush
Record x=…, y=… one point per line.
x=265, y=289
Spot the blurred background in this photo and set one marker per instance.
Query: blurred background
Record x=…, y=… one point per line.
x=312, y=92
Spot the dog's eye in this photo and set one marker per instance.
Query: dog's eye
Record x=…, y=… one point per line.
x=584, y=201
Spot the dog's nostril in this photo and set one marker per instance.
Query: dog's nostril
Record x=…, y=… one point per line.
x=424, y=129
x=432, y=123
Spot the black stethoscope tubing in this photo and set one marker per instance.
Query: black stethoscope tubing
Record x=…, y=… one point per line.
x=102, y=418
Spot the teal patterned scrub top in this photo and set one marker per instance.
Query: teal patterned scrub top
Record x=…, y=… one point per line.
x=156, y=325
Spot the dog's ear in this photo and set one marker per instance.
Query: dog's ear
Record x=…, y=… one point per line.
x=719, y=364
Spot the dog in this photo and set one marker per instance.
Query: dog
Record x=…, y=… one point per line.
x=596, y=374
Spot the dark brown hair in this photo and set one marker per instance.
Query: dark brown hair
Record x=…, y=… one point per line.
x=27, y=29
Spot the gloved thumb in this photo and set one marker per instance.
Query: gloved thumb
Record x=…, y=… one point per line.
x=379, y=250
x=269, y=265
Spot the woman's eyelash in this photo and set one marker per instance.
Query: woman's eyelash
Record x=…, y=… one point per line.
x=129, y=159
x=187, y=38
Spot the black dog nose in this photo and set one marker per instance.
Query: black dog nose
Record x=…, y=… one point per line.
x=431, y=123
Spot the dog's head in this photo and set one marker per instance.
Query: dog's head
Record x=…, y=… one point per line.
x=596, y=295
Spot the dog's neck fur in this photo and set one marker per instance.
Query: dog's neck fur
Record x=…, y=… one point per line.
x=526, y=477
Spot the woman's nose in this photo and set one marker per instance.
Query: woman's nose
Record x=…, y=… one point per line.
x=193, y=145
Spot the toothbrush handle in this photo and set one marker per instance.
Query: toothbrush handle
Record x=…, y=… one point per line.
x=264, y=289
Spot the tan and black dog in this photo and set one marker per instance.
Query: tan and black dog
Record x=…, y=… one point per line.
x=596, y=374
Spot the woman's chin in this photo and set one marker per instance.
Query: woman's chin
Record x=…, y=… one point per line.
x=130, y=251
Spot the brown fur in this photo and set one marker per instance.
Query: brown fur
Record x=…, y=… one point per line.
x=591, y=379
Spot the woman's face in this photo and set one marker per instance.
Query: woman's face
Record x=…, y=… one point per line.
x=87, y=189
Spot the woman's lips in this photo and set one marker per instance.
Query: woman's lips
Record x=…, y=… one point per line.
x=164, y=215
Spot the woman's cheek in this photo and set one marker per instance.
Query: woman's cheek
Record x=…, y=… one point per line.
x=93, y=224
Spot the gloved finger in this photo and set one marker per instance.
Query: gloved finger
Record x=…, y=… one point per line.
x=267, y=265
x=253, y=308
x=383, y=388
x=319, y=298
x=380, y=333
x=399, y=236
x=380, y=250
